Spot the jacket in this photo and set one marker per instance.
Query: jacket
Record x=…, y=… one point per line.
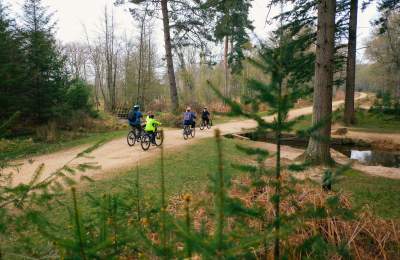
x=151, y=124
x=205, y=114
x=134, y=117
x=189, y=117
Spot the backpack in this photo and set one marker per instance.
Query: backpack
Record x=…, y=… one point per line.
x=132, y=115
x=187, y=116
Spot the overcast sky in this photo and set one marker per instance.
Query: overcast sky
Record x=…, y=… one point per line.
x=73, y=15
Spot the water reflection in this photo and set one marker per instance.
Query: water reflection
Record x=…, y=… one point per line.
x=387, y=159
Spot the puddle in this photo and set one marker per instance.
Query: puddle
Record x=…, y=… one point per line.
x=374, y=157
x=361, y=152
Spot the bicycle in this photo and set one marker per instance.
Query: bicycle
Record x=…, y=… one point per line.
x=134, y=135
x=145, y=141
x=204, y=125
x=188, y=131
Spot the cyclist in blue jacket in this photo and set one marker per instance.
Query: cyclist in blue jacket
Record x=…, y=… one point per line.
x=189, y=118
x=134, y=117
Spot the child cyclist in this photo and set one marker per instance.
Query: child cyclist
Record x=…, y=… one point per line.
x=151, y=126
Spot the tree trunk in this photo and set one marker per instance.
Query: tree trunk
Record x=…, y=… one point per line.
x=318, y=150
x=349, y=115
x=226, y=66
x=186, y=76
x=149, y=66
x=168, y=56
x=139, y=97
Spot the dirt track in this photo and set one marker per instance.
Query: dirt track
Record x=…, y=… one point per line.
x=116, y=155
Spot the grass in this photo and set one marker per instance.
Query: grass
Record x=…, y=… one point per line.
x=222, y=118
x=303, y=123
x=382, y=195
x=22, y=147
x=366, y=122
x=188, y=171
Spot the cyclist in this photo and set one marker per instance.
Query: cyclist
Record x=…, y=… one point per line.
x=134, y=118
x=151, y=126
x=189, y=118
x=205, y=116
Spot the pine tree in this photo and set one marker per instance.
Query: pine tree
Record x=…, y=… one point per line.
x=385, y=7
x=349, y=114
x=331, y=23
x=290, y=67
x=318, y=150
x=44, y=63
x=11, y=68
x=232, y=25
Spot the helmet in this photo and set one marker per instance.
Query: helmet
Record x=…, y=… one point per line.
x=205, y=108
x=136, y=107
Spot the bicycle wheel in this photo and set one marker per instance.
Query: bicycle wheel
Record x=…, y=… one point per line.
x=159, y=138
x=185, y=133
x=131, y=139
x=209, y=124
x=193, y=132
x=145, y=142
x=202, y=125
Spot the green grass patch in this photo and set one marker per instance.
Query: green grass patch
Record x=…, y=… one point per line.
x=366, y=122
x=17, y=148
x=382, y=195
x=303, y=123
x=187, y=170
x=374, y=122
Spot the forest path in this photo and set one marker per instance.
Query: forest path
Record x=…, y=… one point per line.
x=117, y=156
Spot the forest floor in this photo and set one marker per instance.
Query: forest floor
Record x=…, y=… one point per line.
x=116, y=156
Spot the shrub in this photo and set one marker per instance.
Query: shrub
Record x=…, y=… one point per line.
x=48, y=132
x=159, y=104
x=78, y=96
x=169, y=120
x=386, y=103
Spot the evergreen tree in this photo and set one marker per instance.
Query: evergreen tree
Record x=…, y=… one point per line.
x=232, y=23
x=11, y=71
x=349, y=115
x=318, y=149
x=386, y=7
x=44, y=63
x=332, y=27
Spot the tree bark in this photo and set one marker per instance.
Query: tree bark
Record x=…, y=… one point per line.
x=149, y=66
x=226, y=66
x=140, y=97
x=318, y=150
x=168, y=56
x=109, y=55
x=349, y=113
